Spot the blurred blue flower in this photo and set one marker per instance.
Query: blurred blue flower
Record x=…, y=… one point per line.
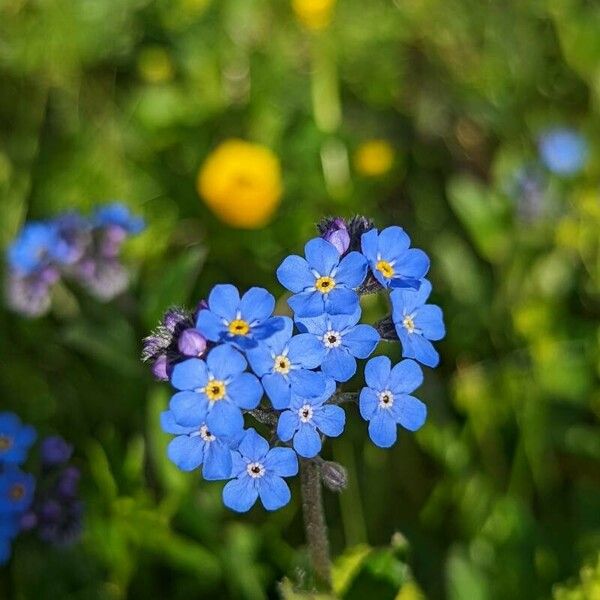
x=386, y=402
x=564, y=151
x=16, y=490
x=119, y=215
x=15, y=439
x=307, y=417
x=417, y=323
x=258, y=471
x=392, y=262
x=243, y=322
x=323, y=282
x=9, y=527
x=282, y=360
x=339, y=340
x=217, y=388
x=54, y=450
x=197, y=445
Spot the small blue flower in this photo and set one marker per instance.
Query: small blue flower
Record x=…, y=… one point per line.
x=417, y=323
x=217, y=388
x=197, y=445
x=324, y=282
x=339, y=340
x=118, y=215
x=307, y=417
x=282, y=360
x=15, y=439
x=242, y=322
x=392, y=262
x=16, y=490
x=386, y=402
x=258, y=471
x=563, y=151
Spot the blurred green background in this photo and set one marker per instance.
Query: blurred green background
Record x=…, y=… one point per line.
x=498, y=496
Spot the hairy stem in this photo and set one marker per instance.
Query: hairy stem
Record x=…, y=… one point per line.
x=314, y=521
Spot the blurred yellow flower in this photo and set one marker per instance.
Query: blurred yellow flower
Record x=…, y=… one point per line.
x=314, y=14
x=241, y=183
x=374, y=158
x=155, y=65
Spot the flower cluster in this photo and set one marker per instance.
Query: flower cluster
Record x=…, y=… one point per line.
x=232, y=357
x=83, y=249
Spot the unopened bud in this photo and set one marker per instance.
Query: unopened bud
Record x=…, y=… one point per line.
x=191, y=343
x=334, y=476
x=336, y=233
x=387, y=329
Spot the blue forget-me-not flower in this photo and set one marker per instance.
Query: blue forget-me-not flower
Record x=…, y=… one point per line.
x=15, y=439
x=563, y=150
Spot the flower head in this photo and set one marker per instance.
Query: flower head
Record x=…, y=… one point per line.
x=16, y=490
x=338, y=342
x=243, y=321
x=283, y=360
x=258, y=471
x=15, y=439
x=563, y=150
x=323, y=282
x=417, y=323
x=306, y=418
x=118, y=215
x=216, y=390
x=385, y=401
x=392, y=262
x=55, y=451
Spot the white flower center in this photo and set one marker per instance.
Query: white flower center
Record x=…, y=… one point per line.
x=282, y=364
x=206, y=435
x=332, y=339
x=255, y=470
x=386, y=399
x=408, y=323
x=305, y=413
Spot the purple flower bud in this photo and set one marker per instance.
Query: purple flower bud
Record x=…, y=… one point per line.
x=334, y=476
x=175, y=318
x=28, y=521
x=29, y=296
x=160, y=368
x=50, y=510
x=68, y=483
x=55, y=451
x=112, y=238
x=191, y=343
x=335, y=231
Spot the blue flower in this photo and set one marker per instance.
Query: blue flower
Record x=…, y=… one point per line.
x=282, y=360
x=243, y=322
x=563, y=150
x=417, y=323
x=118, y=215
x=324, y=282
x=386, y=402
x=197, y=445
x=15, y=439
x=258, y=471
x=217, y=388
x=392, y=262
x=307, y=417
x=340, y=340
x=9, y=527
x=16, y=491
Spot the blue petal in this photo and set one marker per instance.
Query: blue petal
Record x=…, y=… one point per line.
x=279, y=339
x=308, y=384
x=430, y=320
x=240, y=494
x=413, y=264
x=367, y=403
x=306, y=350
x=287, y=425
x=277, y=389
x=260, y=359
x=307, y=304
x=405, y=377
x=282, y=462
x=404, y=302
x=361, y=340
x=189, y=408
x=26, y=435
x=321, y=255
x=341, y=300
x=186, y=452
x=417, y=347
x=382, y=429
x=307, y=441
x=217, y=461
x=409, y=411
x=9, y=422
x=225, y=362
x=330, y=420
x=317, y=325
x=294, y=274
x=377, y=372
x=5, y=551
x=169, y=425
x=339, y=364
x=267, y=329
x=245, y=390
x=257, y=305
x=224, y=301
x=190, y=374
x=225, y=419
x=253, y=447
x=210, y=325
x=369, y=245
x=343, y=322
x=274, y=492
x=393, y=242
x=352, y=270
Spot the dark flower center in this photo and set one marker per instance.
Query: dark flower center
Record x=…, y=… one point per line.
x=5, y=443
x=255, y=469
x=332, y=339
x=16, y=492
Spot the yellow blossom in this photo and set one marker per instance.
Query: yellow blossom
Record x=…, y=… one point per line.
x=241, y=183
x=155, y=65
x=314, y=14
x=374, y=158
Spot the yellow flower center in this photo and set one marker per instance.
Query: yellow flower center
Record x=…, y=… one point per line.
x=282, y=364
x=5, y=443
x=408, y=323
x=325, y=284
x=239, y=327
x=384, y=267
x=215, y=390
x=16, y=492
